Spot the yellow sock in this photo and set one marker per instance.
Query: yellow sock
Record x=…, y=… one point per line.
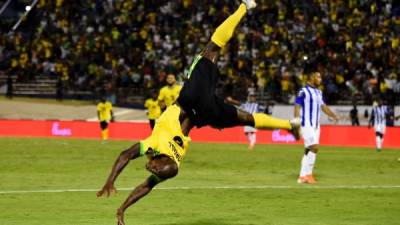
x=264, y=121
x=104, y=134
x=224, y=32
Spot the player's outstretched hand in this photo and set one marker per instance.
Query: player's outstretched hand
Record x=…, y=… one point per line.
x=120, y=217
x=107, y=190
x=335, y=118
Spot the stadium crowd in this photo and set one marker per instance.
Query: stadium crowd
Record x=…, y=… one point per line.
x=114, y=45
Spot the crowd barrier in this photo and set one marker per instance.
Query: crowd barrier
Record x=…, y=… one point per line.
x=330, y=135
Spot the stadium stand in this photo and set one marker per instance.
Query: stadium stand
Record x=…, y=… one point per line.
x=124, y=48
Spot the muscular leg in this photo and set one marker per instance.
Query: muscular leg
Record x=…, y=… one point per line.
x=265, y=122
x=224, y=33
x=219, y=39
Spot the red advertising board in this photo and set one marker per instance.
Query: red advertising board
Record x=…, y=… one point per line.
x=330, y=135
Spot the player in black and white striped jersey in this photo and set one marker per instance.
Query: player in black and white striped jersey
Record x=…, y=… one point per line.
x=251, y=106
x=378, y=120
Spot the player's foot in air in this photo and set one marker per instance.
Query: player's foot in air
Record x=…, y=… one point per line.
x=250, y=4
x=295, y=123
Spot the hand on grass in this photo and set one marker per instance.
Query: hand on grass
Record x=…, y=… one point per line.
x=107, y=190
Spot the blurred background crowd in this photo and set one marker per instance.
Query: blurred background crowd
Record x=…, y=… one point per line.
x=128, y=47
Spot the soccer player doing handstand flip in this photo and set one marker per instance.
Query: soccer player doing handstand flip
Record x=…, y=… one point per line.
x=197, y=105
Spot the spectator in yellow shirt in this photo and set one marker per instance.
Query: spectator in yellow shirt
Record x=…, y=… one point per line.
x=153, y=109
x=169, y=93
x=105, y=115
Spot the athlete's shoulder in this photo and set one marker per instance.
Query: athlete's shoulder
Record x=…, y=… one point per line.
x=108, y=105
x=163, y=89
x=162, y=93
x=301, y=92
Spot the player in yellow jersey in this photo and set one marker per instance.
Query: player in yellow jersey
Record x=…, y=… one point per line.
x=105, y=115
x=197, y=105
x=153, y=109
x=169, y=93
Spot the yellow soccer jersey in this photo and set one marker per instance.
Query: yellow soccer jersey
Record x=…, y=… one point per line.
x=169, y=94
x=167, y=137
x=104, y=110
x=153, y=108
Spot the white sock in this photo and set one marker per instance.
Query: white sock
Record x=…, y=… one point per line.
x=248, y=137
x=311, y=157
x=378, y=142
x=303, y=168
x=252, y=138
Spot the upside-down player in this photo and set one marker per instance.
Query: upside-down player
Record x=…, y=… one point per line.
x=197, y=105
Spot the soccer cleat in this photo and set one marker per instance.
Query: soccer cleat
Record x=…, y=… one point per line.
x=250, y=4
x=302, y=180
x=310, y=179
x=295, y=131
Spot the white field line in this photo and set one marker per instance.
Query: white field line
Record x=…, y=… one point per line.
x=119, y=113
x=215, y=188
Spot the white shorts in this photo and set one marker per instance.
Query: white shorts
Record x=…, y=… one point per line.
x=310, y=136
x=381, y=128
x=248, y=129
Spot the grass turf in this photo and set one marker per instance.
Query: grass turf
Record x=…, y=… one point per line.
x=269, y=193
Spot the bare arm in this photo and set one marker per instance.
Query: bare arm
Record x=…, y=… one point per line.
x=112, y=116
x=232, y=101
x=329, y=112
x=296, y=111
x=123, y=160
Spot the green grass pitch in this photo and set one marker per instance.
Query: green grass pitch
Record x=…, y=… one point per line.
x=218, y=184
